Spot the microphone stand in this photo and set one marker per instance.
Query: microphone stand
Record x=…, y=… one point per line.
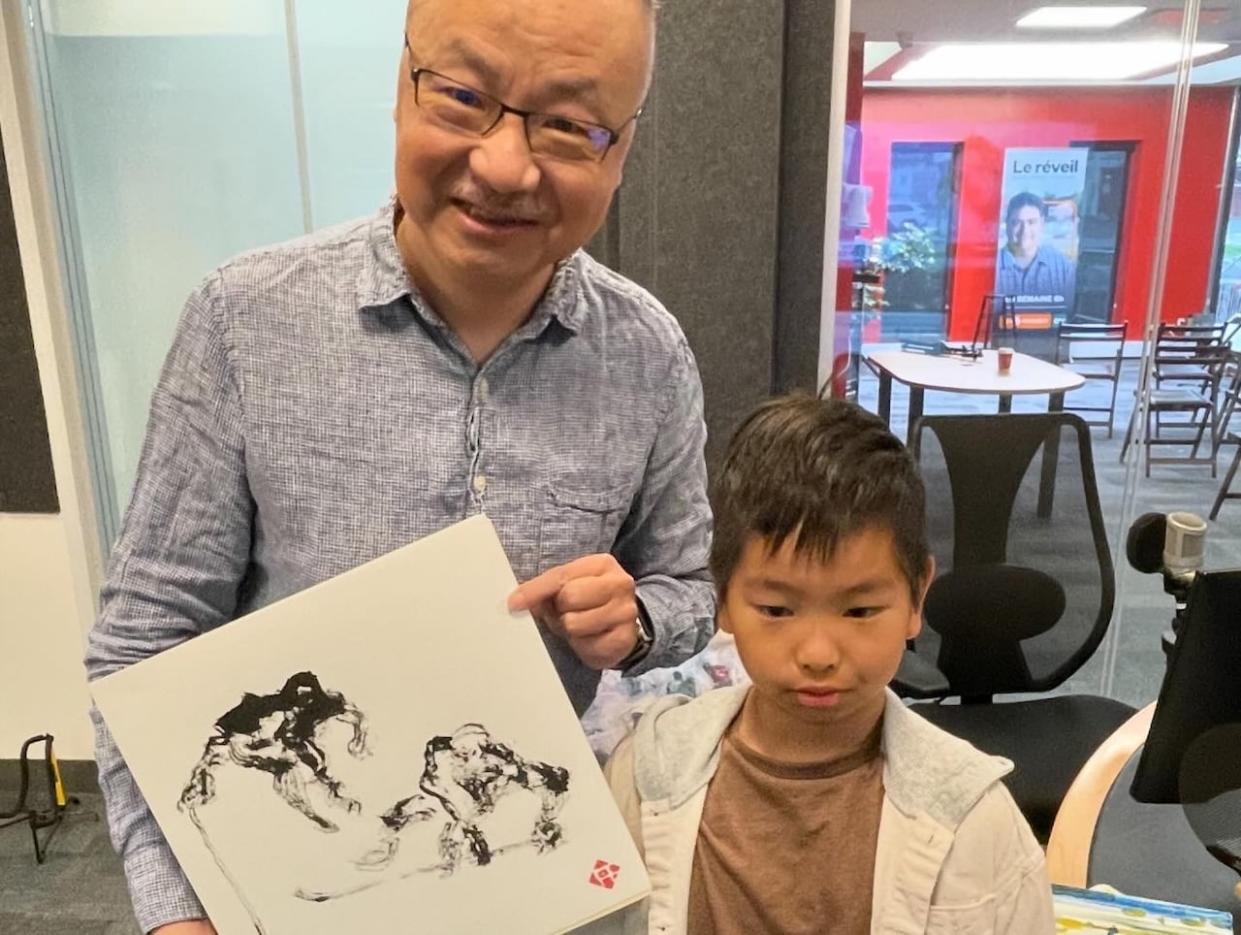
x=1178, y=585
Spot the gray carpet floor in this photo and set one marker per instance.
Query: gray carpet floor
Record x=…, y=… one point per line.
x=81, y=891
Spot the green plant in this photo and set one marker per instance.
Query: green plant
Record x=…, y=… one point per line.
x=906, y=250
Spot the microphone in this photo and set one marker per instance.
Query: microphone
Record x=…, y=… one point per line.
x=1144, y=545
x=1171, y=544
x=1183, y=544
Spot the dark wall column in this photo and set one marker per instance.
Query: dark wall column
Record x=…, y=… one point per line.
x=721, y=211
x=804, y=126
x=27, y=480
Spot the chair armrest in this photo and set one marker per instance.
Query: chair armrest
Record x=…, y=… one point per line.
x=1068, y=848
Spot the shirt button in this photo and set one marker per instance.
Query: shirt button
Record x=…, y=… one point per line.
x=480, y=483
x=482, y=389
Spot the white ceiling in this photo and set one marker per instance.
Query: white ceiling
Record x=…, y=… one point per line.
x=919, y=23
x=992, y=20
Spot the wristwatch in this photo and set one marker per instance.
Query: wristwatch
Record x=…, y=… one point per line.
x=645, y=640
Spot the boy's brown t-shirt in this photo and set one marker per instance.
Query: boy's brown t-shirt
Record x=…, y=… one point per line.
x=787, y=848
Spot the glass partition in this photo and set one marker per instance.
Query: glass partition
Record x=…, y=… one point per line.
x=1060, y=187
x=1227, y=299
x=184, y=133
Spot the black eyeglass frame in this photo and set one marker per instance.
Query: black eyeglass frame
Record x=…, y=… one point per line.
x=525, y=115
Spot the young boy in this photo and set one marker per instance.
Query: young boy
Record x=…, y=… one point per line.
x=814, y=800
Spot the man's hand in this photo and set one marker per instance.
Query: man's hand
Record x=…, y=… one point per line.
x=192, y=927
x=591, y=602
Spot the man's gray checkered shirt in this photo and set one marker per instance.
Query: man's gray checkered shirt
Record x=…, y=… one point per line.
x=315, y=413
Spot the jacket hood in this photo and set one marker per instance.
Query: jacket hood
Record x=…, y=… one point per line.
x=926, y=770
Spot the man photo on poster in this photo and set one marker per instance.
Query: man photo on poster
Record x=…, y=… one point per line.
x=1030, y=270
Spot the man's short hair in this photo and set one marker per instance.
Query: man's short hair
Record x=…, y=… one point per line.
x=820, y=470
x=1025, y=200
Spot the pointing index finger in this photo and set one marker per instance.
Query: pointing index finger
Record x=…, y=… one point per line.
x=545, y=586
x=537, y=589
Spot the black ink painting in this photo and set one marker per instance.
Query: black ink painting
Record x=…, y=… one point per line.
x=464, y=777
x=277, y=734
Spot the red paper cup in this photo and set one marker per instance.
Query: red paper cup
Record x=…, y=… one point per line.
x=1004, y=359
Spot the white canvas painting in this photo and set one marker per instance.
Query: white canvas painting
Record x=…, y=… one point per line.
x=390, y=750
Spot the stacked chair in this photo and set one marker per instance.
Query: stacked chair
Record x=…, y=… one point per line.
x=1191, y=364
x=1096, y=351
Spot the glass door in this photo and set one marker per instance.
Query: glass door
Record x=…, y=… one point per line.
x=921, y=230
x=1102, y=216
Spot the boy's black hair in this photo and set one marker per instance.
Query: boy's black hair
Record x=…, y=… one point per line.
x=819, y=470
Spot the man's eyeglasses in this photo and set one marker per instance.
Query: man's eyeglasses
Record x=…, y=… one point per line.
x=457, y=105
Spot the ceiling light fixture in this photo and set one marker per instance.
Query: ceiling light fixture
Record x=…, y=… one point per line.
x=999, y=62
x=875, y=54
x=1079, y=17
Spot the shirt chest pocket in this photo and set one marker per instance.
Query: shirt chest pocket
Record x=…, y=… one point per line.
x=579, y=522
x=977, y=918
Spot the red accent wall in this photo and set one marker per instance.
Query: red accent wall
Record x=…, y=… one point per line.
x=987, y=122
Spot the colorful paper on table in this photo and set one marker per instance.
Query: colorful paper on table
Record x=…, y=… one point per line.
x=390, y=750
x=1094, y=911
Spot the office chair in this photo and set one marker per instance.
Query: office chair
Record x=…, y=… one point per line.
x=1022, y=596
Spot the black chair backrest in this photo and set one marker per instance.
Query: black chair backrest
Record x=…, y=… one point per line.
x=1203, y=364
x=1173, y=341
x=1000, y=312
x=1200, y=688
x=1174, y=332
x=1024, y=593
x=1095, y=338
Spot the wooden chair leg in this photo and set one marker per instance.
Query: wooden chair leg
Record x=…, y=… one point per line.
x=1202, y=428
x=1111, y=409
x=1146, y=442
x=1133, y=418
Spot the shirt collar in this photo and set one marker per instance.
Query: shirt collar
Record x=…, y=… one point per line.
x=383, y=281
x=1007, y=260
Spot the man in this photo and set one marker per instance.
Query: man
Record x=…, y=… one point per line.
x=1034, y=273
x=328, y=400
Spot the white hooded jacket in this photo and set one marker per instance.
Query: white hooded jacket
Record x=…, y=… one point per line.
x=954, y=854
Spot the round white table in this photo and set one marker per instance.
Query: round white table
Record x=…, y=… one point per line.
x=953, y=374
x=950, y=373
